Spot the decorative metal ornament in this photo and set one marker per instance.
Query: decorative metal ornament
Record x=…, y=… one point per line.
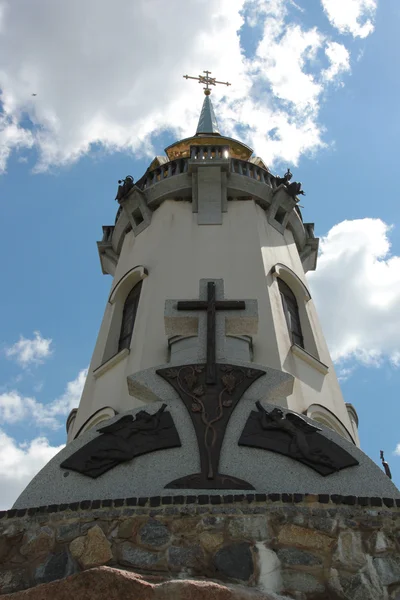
x=123, y=440
x=385, y=465
x=291, y=435
x=207, y=80
x=124, y=187
x=210, y=407
x=294, y=188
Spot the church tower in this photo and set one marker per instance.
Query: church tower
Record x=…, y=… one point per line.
x=212, y=439
x=210, y=210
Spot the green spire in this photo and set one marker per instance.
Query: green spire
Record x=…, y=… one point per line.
x=208, y=121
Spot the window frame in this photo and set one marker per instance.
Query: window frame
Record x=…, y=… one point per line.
x=113, y=317
x=292, y=314
x=129, y=314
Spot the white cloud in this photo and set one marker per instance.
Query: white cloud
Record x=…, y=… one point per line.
x=15, y=408
x=19, y=463
x=27, y=352
x=339, y=57
x=397, y=451
x=283, y=59
x=111, y=74
x=356, y=288
x=351, y=16
x=72, y=395
x=12, y=137
x=395, y=359
x=343, y=373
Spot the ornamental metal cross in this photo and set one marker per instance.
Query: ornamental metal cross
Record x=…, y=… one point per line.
x=207, y=80
x=211, y=305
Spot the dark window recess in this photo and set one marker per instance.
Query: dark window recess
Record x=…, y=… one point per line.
x=129, y=316
x=291, y=310
x=280, y=215
x=137, y=216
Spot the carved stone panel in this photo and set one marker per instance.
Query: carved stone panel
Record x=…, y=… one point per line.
x=210, y=407
x=291, y=435
x=123, y=440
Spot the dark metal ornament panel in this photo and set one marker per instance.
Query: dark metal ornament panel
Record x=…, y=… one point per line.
x=210, y=407
x=291, y=435
x=123, y=440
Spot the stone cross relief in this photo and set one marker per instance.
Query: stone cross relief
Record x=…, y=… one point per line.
x=211, y=318
x=209, y=389
x=212, y=390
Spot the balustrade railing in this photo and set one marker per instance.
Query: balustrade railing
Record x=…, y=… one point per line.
x=242, y=167
x=206, y=153
x=169, y=169
x=209, y=152
x=108, y=231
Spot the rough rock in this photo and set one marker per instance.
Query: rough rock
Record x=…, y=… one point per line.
x=132, y=556
x=358, y=587
x=184, y=556
x=184, y=525
x=38, y=543
x=57, y=566
x=235, y=561
x=395, y=593
x=334, y=583
x=114, y=584
x=129, y=527
x=293, y=535
x=211, y=541
x=251, y=528
x=297, y=581
x=349, y=550
x=11, y=581
x=381, y=542
x=212, y=522
x=154, y=534
x=13, y=530
x=5, y=548
x=69, y=531
x=92, y=549
x=294, y=556
x=363, y=585
x=388, y=569
x=323, y=523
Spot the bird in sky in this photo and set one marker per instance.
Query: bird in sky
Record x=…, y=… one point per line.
x=34, y=94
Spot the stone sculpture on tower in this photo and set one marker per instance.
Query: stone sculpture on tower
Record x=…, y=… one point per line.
x=212, y=439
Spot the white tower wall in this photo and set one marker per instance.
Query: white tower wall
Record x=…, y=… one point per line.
x=248, y=244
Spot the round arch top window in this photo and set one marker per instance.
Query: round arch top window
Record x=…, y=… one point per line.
x=291, y=311
x=129, y=316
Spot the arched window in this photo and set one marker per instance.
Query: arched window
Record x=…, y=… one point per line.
x=291, y=310
x=129, y=316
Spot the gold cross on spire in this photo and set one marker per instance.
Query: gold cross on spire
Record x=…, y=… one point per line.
x=207, y=80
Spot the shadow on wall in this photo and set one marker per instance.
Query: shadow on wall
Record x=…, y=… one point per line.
x=304, y=372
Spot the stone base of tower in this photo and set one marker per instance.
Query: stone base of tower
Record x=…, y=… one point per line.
x=239, y=547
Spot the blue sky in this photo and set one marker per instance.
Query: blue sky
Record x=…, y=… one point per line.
x=314, y=87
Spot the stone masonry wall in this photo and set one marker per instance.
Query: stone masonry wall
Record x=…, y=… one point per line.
x=302, y=547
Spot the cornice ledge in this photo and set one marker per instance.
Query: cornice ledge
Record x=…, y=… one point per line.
x=111, y=362
x=108, y=258
x=134, y=190
x=310, y=359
